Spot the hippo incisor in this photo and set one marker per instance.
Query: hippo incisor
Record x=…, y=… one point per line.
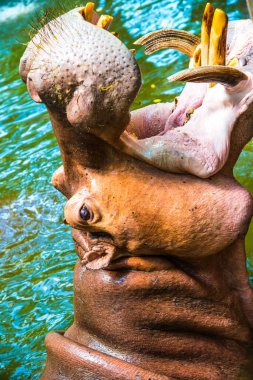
x=159, y=222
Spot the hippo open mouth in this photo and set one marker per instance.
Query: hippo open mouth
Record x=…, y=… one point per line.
x=88, y=80
x=193, y=135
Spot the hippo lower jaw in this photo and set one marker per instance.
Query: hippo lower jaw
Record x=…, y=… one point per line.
x=201, y=144
x=196, y=137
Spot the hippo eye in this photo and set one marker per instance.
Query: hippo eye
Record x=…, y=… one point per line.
x=85, y=213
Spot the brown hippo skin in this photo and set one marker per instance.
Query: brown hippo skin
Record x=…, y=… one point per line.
x=161, y=288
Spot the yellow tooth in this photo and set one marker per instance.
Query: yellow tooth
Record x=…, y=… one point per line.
x=234, y=62
x=188, y=115
x=190, y=112
x=105, y=22
x=197, y=57
x=116, y=34
x=88, y=11
x=218, y=38
x=205, y=33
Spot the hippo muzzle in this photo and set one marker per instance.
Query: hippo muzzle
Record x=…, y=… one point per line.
x=74, y=66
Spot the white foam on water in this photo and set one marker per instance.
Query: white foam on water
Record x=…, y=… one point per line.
x=11, y=12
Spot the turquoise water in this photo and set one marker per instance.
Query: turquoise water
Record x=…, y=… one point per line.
x=37, y=257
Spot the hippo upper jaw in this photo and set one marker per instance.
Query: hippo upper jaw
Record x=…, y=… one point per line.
x=83, y=73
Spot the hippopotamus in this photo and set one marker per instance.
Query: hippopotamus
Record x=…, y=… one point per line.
x=157, y=217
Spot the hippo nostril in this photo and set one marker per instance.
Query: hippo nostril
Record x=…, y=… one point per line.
x=85, y=213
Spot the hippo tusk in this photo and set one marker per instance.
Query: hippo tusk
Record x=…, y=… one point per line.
x=218, y=38
x=206, y=32
x=225, y=75
x=105, y=22
x=88, y=11
x=197, y=57
x=115, y=34
x=91, y=16
x=169, y=39
x=250, y=8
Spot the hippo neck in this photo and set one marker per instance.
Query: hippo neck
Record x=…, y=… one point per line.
x=82, y=150
x=208, y=329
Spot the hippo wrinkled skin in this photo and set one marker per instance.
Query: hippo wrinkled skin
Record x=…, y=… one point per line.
x=161, y=288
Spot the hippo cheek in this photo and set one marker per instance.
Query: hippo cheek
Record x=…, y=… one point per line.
x=162, y=214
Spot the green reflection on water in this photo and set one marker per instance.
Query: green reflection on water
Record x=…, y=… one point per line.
x=37, y=257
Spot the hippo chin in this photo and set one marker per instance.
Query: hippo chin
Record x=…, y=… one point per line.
x=158, y=220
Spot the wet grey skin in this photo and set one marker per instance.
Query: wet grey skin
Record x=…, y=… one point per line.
x=87, y=77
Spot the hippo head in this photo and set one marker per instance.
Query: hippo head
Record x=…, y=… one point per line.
x=157, y=216
x=119, y=201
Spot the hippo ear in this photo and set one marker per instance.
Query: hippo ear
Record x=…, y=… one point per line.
x=32, y=90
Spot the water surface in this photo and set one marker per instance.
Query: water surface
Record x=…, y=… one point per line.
x=37, y=257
